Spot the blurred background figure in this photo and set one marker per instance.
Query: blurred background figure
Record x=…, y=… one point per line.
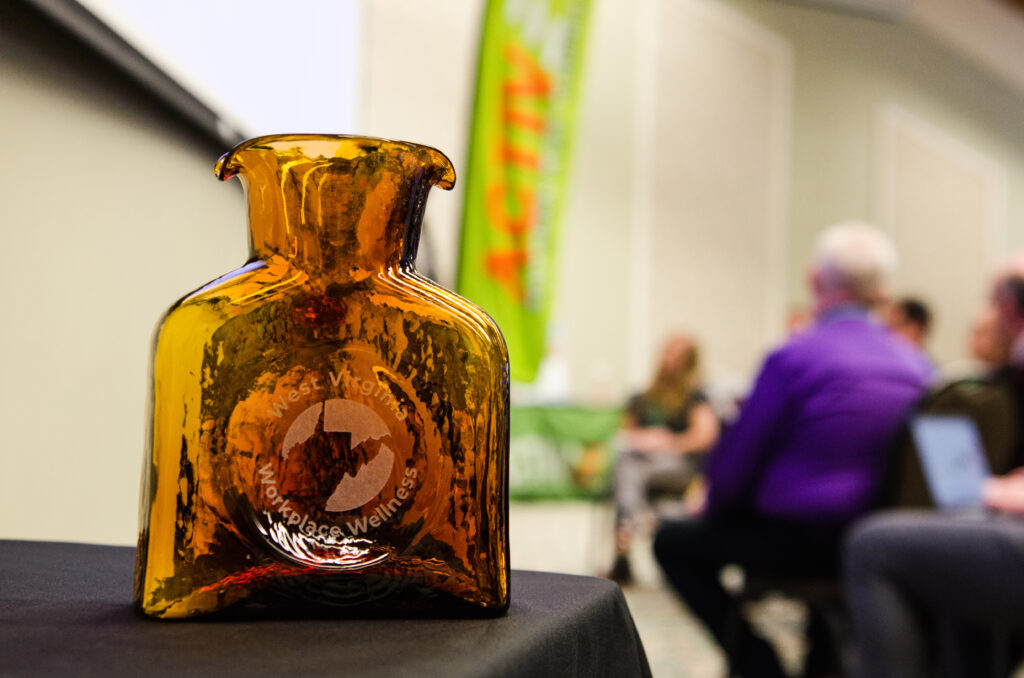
x=989, y=342
x=988, y=348
x=985, y=389
x=807, y=453
x=665, y=430
x=910, y=318
x=1008, y=298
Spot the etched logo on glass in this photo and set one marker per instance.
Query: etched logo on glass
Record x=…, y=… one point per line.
x=362, y=424
x=341, y=471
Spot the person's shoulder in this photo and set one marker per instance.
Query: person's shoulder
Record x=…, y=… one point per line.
x=862, y=327
x=824, y=339
x=788, y=355
x=896, y=354
x=807, y=342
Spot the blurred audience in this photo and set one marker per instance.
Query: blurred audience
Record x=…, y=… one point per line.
x=1008, y=299
x=989, y=341
x=665, y=428
x=936, y=591
x=988, y=348
x=980, y=390
x=911, y=319
x=806, y=454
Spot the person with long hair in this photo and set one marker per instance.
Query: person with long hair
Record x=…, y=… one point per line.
x=665, y=428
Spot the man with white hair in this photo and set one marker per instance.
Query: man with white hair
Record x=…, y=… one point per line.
x=807, y=453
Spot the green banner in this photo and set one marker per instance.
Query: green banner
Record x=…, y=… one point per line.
x=523, y=120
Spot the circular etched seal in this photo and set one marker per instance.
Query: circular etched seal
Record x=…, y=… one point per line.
x=331, y=462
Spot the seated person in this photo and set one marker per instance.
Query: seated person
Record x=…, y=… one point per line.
x=664, y=429
x=807, y=454
x=1006, y=353
x=981, y=390
x=989, y=342
x=911, y=319
x=909, y=573
x=988, y=349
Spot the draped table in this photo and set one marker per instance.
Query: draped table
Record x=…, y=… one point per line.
x=65, y=610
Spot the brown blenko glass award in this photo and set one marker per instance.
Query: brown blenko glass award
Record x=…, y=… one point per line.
x=328, y=428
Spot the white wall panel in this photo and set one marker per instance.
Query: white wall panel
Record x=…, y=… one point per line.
x=945, y=204
x=712, y=255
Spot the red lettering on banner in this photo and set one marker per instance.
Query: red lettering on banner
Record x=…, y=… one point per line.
x=525, y=120
x=515, y=156
x=496, y=202
x=535, y=80
x=514, y=210
x=505, y=267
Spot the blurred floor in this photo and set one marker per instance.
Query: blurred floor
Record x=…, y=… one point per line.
x=576, y=537
x=676, y=646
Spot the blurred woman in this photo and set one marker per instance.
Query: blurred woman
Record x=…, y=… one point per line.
x=665, y=429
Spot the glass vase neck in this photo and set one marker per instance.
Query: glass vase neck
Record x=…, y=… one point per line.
x=336, y=206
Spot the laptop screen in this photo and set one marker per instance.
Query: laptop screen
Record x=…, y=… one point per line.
x=953, y=459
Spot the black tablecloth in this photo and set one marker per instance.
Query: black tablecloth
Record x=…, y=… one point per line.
x=65, y=610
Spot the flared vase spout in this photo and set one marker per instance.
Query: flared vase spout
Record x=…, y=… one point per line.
x=341, y=206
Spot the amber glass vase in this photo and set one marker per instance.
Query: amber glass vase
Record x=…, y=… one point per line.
x=329, y=429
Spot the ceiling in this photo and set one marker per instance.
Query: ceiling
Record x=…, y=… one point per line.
x=989, y=32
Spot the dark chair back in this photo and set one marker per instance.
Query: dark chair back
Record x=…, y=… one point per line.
x=990, y=403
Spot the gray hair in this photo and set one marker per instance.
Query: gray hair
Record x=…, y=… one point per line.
x=857, y=258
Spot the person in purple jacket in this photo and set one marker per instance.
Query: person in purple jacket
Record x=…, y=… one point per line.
x=807, y=454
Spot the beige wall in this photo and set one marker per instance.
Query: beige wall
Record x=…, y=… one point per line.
x=110, y=212
x=595, y=285
x=718, y=168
